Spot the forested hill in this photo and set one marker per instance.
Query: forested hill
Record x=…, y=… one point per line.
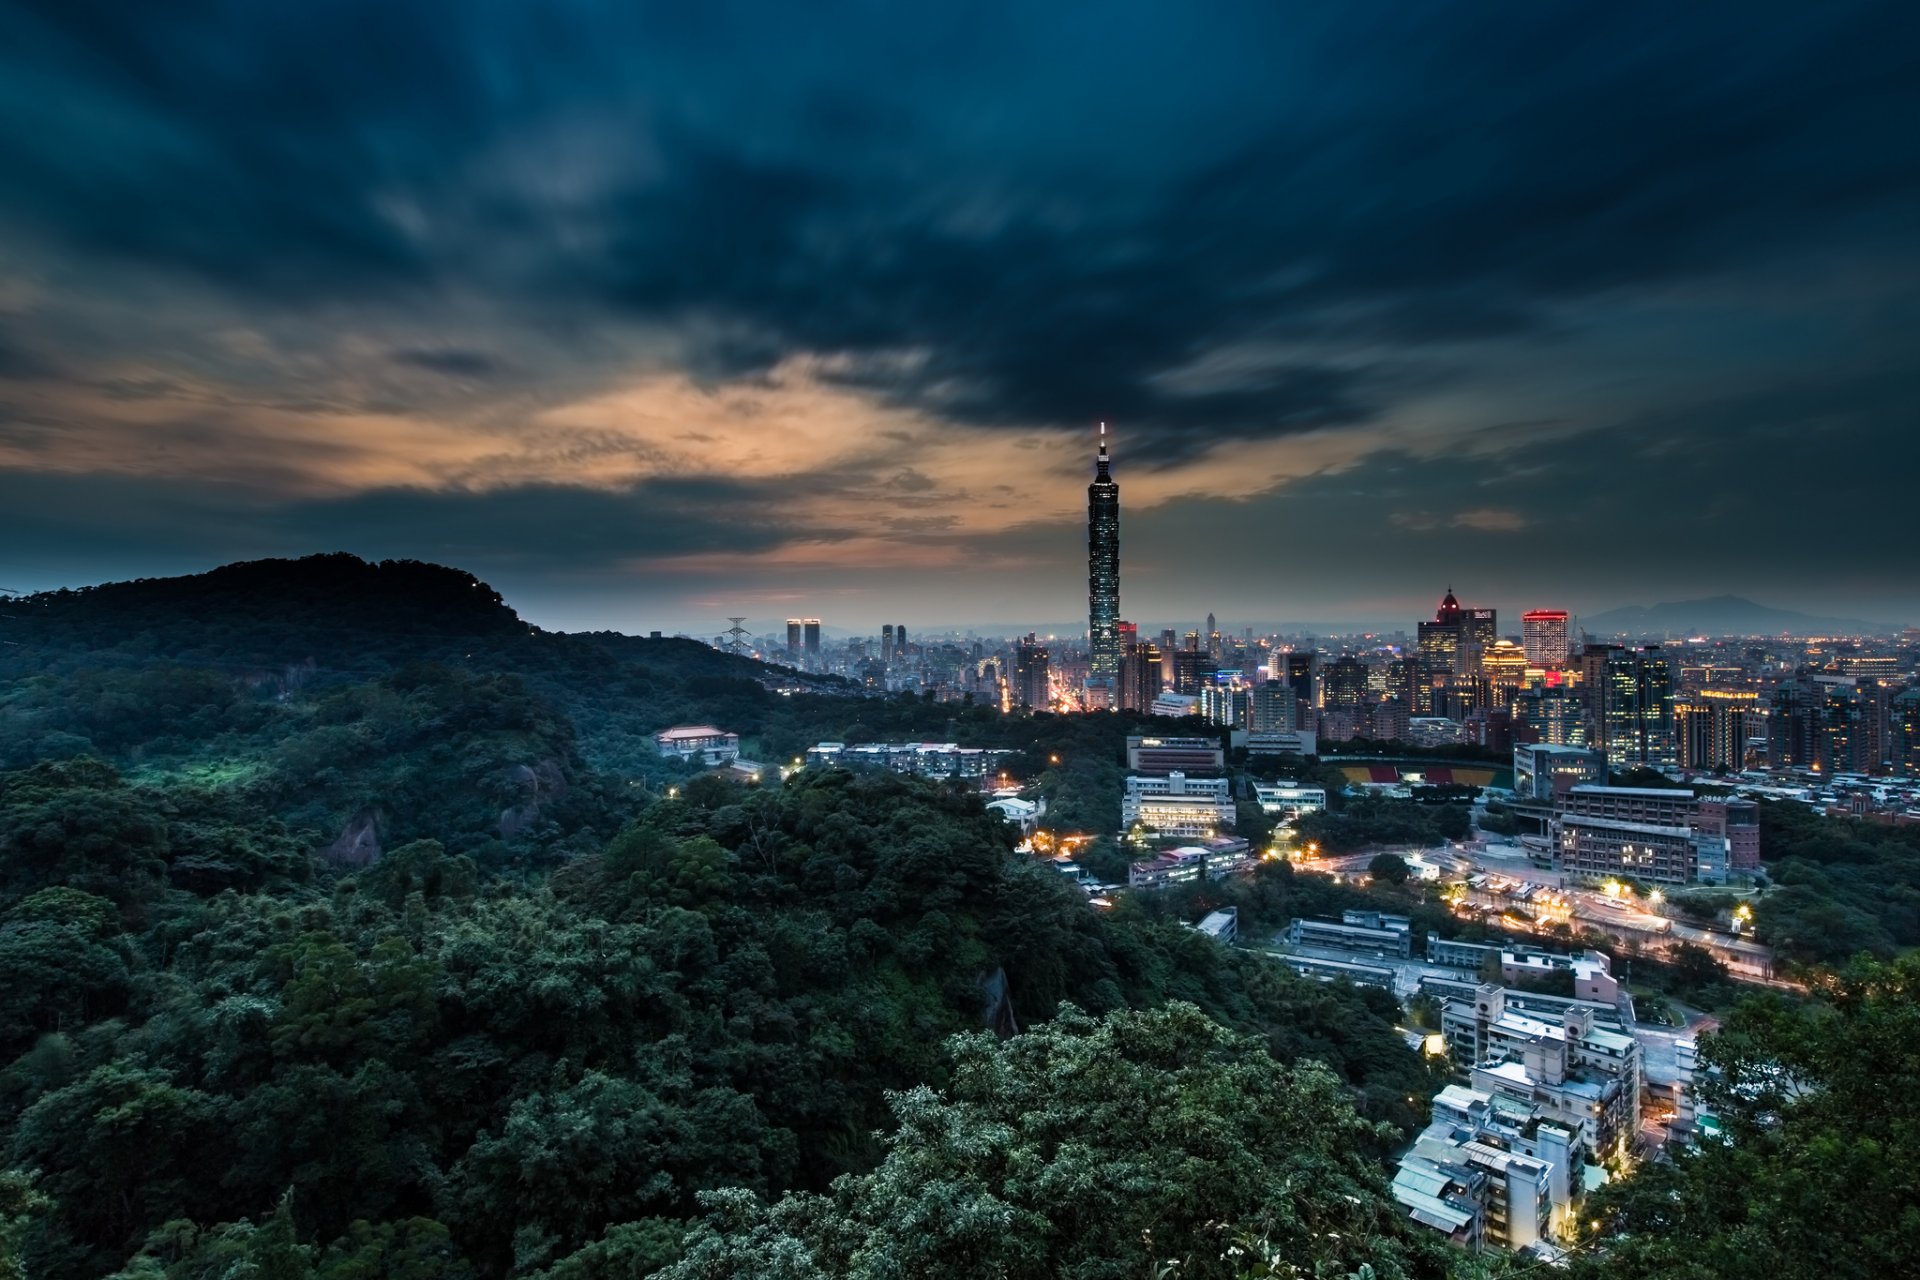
x=327, y=614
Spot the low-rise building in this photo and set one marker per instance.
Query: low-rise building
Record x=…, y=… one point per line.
x=1286, y=801
x=1023, y=814
x=1223, y=926
x=1378, y=936
x=1542, y=771
x=1161, y=755
x=1178, y=805
x=1210, y=861
x=920, y=759
x=1590, y=971
x=702, y=742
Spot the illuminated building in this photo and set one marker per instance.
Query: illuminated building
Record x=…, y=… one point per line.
x=811, y=628
x=1193, y=670
x=1710, y=727
x=1032, y=676
x=1225, y=704
x=1344, y=685
x=1274, y=708
x=1553, y=713
x=1176, y=805
x=1300, y=673
x=1543, y=634
x=1440, y=639
x=687, y=741
x=1103, y=570
x=1503, y=669
x=1140, y=676
x=1906, y=734
x=793, y=637
x=1175, y=755
x=1635, y=708
x=1542, y=771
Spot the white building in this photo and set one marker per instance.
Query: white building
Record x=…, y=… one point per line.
x=1177, y=805
x=1286, y=801
x=702, y=742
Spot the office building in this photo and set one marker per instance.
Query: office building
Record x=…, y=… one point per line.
x=1103, y=570
x=1543, y=771
x=1168, y=755
x=886, y=644
x=810, y=628
x=1543, y=634
x=1503, y=674
x=1177, y=805
x=1193, y=670
x=1440, y=639
x=1032, y=674
x=1224, y=704
x=1711, y=727
x=1634, y=706
x=1343, y=685
x=793, y=637
x=1300, y=674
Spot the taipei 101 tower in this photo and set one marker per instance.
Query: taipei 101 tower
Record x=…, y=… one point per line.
x=1103, y=572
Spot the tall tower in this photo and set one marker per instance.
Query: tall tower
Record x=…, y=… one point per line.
x=1103, y=571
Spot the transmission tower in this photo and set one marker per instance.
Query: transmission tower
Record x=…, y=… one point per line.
x=737, y=636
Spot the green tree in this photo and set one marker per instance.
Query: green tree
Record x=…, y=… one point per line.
x=1090, y=1147
x=1816, y=1174
x=1389, y=868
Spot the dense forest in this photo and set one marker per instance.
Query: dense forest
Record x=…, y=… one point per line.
x=351, y=928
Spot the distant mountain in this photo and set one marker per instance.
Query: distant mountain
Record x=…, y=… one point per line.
x=1723, y=616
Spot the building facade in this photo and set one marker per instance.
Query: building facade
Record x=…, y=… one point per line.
x=1103, y=570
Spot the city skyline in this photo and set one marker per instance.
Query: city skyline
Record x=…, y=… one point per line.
x=650, y=326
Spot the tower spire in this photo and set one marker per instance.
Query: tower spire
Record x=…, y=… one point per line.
x=1102, y=461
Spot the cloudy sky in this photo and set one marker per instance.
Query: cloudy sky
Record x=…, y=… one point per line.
x=652, y=314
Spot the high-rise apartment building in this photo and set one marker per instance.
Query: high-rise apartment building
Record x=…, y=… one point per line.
x=1103, y=570
x=1710, y=727
x=1343, y=685
x=810, y=627
x=886, y=644
x=1300, y=672
x=1274, y=708
x=1543, y=634
x=1906, y=734
x=1032, y=675
x=793, y=637
x=1140, y=676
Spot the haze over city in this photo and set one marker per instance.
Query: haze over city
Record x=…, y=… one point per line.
x=651, y=323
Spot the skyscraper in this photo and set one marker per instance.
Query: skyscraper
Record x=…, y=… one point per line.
x=793, y=637
x=886, y=643
x=1543, y=633
x=1031, y=676
x=1635, y=701
x=811, y=626
x=1103, y=571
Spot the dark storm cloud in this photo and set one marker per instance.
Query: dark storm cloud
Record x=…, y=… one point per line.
x=1211, y=226
x=1383, y=175
x=453, y=363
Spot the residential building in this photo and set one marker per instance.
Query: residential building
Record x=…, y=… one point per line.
x=1487, y=1172
x=1711, y=727
x=810, y=630
x=1572, y=1071
x=1140, y=676
x=1032, y=674
x=1635, y=708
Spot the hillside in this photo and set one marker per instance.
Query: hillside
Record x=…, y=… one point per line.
x=333, y=950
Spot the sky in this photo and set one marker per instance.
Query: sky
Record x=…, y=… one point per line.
x=656, y=314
